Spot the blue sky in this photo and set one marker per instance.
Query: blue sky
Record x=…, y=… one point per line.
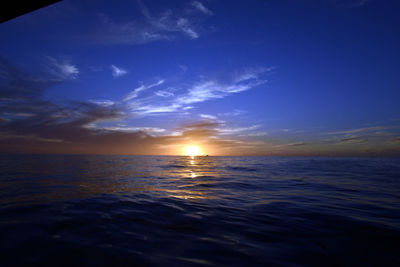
x=233, y=77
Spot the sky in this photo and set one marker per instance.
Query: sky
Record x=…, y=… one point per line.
x=274, y=77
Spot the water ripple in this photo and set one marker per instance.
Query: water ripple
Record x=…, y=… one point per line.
x=131, y=210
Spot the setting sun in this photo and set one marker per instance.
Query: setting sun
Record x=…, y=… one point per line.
x=192, y=151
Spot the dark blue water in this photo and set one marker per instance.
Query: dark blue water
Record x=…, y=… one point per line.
x=133, y=210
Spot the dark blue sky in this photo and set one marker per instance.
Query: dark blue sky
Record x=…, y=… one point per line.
x=234, y=77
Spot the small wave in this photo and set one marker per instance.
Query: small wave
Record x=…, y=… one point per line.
x=239, y=168
x=171, y=166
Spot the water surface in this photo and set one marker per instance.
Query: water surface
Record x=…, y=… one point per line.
x=154, y=210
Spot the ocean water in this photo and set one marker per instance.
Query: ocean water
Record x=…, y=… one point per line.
x=182, y=211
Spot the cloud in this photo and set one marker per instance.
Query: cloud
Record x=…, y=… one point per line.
x=164, y=93
x=17, y=85
x=207, y=116
x=361, y=130
x=50, y=127
x=297, y=144
x=184, y=68
x=167, y=25
x=134, y=129
x=117, y=71
x=31, y=124
x=205, y=90
x=200, y=7
x=185, y=26
x=151, y=109
x=142, y=88
x=170, y=22
x=235, y=112
x=236, y=130
x=206, y=134
x=126, y=33
x=201, y=124
x=60, y=70
x=350, y=3
x=219, y=128
x=395, y=140
x=353, y=140
x=104, y=102
x=214, y=89
x=198, y=92
x=256, y=134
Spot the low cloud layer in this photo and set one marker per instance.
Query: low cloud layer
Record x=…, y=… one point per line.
x=30, y=124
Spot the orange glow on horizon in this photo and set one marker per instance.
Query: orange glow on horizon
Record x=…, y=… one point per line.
x=192, y=151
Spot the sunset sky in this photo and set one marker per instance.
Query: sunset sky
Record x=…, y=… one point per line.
x=274, y=77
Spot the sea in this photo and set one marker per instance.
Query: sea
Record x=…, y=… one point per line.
x=76, y=210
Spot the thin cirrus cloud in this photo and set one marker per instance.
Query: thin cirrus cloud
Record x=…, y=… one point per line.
x=213, y=89
x=236, y=130
x=164, y=93
x=235, y=112
x=350, y=3
x=80, y=127
x=102, y=102
x=218, y=129
x=170, y=22
x=168, y=25
x=208, y=116
x=149, y=130
x=200, y=7
x=135, y=93
x=118, y=71
x=256, y=134
x=361, y=130
x=60, y=70
x=205, y=90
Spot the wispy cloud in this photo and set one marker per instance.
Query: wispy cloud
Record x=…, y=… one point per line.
x=353, y=140
x=60, y=70
x=103, y=102
x=205, y=90
x=207, y=116
x=361, y=130
x=200, y=7
x=256, y=134
x=117, y=71
x=169, y=24
x=395, y=140
x=150, y=130
x=142, y=88
x=164, y=93
x=154, y=109
x=350, y=3
x=213, y=89
x=296, y=144
x=184, y=68
x=131, y=32
x=36, y=125
x=236, y=130
x=235, y=112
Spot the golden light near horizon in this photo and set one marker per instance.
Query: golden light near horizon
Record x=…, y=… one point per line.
x=192, y=151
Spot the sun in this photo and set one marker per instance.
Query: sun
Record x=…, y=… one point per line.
x=192, y=151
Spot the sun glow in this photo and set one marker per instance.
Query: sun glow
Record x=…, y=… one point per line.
x=192, y=151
